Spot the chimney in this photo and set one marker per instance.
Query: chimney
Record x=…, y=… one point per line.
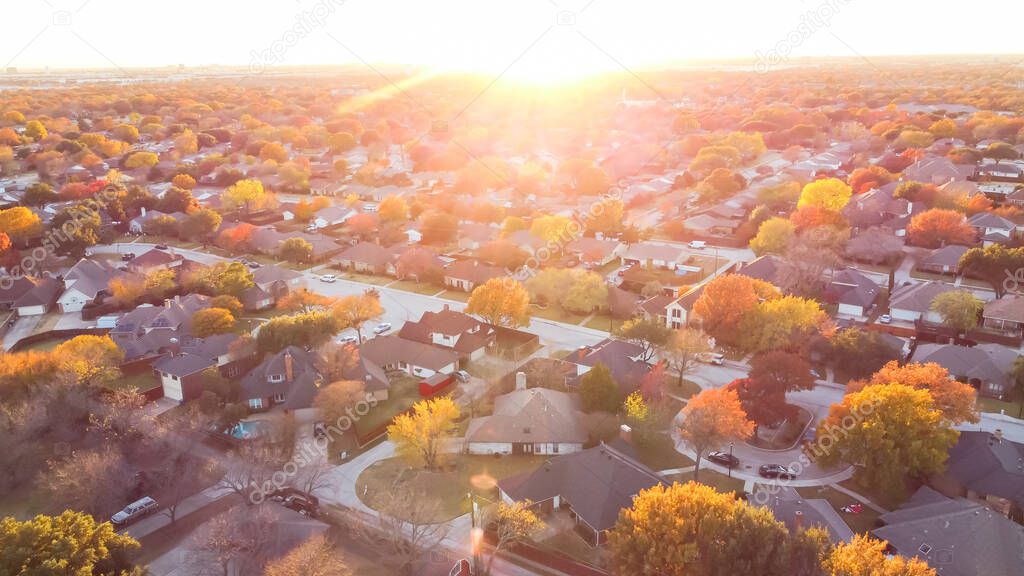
x=998, y=434
x=289, y=366
x=626, y=433
x=520, y=380
x=167, y=302
x=798, y=520
x=143, y=211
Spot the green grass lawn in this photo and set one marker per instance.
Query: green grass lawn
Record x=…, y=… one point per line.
x=457, y=295
x=687, y=389
x=859, y=523
x=889, y=499
x=712, y=478
x=141, y=381
x=602, y=322
x=659, y=453
x=403, y=393
x=571, y=544
x=996, y=406
x=367, y=278
x=415, y=287
x=556, y=313
x=45, y=345
x=449, y=487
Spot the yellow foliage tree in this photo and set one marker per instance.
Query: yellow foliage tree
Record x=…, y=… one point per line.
x=420, y=436
x=831, y=194
x=502, y=302
x=866, y=556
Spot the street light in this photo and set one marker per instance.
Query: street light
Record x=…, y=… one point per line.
x=730, y=461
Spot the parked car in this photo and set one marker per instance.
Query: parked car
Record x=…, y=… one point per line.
x=885, y=319
x=329, y=278
x=253, y=264
x=698, y=244
x=711, y=358
x=132, y=512
x=723, y=458
x=462, y=376
x=301, y=504
x=776, y=471
x=350, y=339
x=319, y=431
x=382, y=328
x=128, y=256
x=160, y=246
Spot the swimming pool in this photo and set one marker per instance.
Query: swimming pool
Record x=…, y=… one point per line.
x=248, y=429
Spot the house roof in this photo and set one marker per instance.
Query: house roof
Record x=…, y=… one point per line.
x=854, y=288
x=391, y=349
x=153, y=258
x=531, y=415
x=945, y=256
x=1010, y=307
x=472, y=333
x=985, y=362
x=183, y=365
x=917, y=297
x=990, y=220
x=597, y=483
x=651, y=251
x=987, y=464
x=586, y=246
x=368, y=253
x=270, y=274
x=43, y=293
x=473, y=271
x=298, y=392
x=956, y=537
x=89, y=277
x=617, y=356
x=769, y=268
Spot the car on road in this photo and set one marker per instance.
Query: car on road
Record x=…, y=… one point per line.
x=301, y=504
x=160, y=246
x=723, y=458
x=350, y=339
x=382, y=328
x=698, y=244
x=128, y=256
x=776, y=471
x=253, y=264
x=329, y=278
x=885, y=319
x=462, y=376
x=134, y=511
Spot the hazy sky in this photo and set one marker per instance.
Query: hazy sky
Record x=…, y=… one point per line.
x=530, y=38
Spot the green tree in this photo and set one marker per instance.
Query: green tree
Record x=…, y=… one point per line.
x=960, y=310
x=200, y=225
x=297, y=250
x=692, y=530
x=39, y=194
x=72, y=543
x=80, y=227
x=598, y=390
x=897, y=433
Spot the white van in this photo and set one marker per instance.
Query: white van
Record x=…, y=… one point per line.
x=134, y=511
x=711, y=358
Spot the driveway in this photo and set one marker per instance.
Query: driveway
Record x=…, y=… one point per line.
x=23, y=326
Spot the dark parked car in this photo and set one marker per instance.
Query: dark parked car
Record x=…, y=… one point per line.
x=302, y=505
x=160, y=246
x=776, y=471
x=724, y=458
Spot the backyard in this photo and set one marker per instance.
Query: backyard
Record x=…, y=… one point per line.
x=859, y=523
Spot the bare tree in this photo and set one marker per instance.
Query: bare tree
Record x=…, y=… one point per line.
x=249, y=470
x=683, y=350
x=405, y=528
x=237, y=538
x=98, y=481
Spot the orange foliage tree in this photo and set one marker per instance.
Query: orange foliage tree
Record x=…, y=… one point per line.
x=938, y=227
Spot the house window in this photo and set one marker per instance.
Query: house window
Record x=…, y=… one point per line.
x=554, y=448
x=256, y=403
x=278, y=398
x=277, y=377
x=677, y=313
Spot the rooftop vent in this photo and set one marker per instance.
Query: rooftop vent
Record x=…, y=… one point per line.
x=924, y=549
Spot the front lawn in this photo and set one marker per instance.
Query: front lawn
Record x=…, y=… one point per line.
x=415, y=287
x=712, y=478
x=402, y=394
x=996, y=406
x=141, y=381
x=556, y=313
x=602, y=322
x=457, y=295
x=859, y=523
x=367, y=278
x=447, y=488
x=659, y=453
x=685, y=389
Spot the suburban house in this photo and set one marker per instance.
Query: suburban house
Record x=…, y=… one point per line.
x=620, y=357
x=525, y=240
x=770, y=268
x=369, y=258
x=459, y=332
x=289, y=379
x=137, y=225
x=332, y=216
x=83, y=284
x=270, y=284
x=985, y=366
x=155, y=259
x=591, y=485
x=936, y=170
x=149, y=330
x=473, y=235
x=955, y=536
x=595, y=251
x=912, y=302
x=853, y=292
x=877, y=207
x=1005, y=315
x=468, y=274
x=414, y=358
x=39, y=298
x=181, y=375
x=798, y=513
x=13, y=287
x=993, y=229
x=651, y=255
x=945, y=260
x=705, y=225
x=529, y=421
x=987, y=468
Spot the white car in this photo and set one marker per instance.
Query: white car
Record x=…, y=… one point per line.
x=329, y=278
x=711, y=358
x=350, y=339
x=698, y=244
x=885, y=319
x=382, y=328
x=134, y=511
